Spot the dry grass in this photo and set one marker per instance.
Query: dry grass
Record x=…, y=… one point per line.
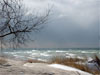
x=34, y=61
x=3, y=61
x=64, y=60
x=73, y=62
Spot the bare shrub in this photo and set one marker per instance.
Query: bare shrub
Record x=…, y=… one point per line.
x=3, y=61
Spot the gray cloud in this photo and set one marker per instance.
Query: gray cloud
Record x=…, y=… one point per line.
x=73, y=23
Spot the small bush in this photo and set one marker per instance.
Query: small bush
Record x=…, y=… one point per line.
x=3, y=61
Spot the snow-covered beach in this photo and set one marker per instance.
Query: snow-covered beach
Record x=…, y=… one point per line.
x=17, y=67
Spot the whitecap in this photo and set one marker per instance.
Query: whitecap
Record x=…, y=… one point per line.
x=70, y=54
x=35, y=54
x=15, y=55
x=28, y=52
x=33, y=50
x=43, y=54
x=60, y=51
x=87, y=52
x=49, y=51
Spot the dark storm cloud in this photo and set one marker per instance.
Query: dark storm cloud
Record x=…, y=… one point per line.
x=73, y=23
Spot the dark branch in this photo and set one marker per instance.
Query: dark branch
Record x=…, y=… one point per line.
x=14, y=21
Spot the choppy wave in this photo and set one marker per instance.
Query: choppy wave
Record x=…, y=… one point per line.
x=47, y=54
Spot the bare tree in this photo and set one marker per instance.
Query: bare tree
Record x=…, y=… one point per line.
x=16, y=23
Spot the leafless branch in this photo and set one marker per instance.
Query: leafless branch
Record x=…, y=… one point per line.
x=15, y=25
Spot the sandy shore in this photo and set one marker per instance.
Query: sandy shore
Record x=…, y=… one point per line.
x=16, y=67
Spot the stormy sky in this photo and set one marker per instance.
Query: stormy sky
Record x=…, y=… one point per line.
x=71, y=24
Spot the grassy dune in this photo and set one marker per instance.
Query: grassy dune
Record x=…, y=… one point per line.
x=76, y=63
x=73, y=62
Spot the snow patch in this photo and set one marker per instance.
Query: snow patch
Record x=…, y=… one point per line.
x=69, y=69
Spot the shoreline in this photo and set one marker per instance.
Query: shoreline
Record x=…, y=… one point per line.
x=17, y=67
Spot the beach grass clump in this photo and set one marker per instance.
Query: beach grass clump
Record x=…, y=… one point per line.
x=65, y=61
x=74, y=62
x=3, y=61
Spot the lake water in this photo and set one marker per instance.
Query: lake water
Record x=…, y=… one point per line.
x=46, y=54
